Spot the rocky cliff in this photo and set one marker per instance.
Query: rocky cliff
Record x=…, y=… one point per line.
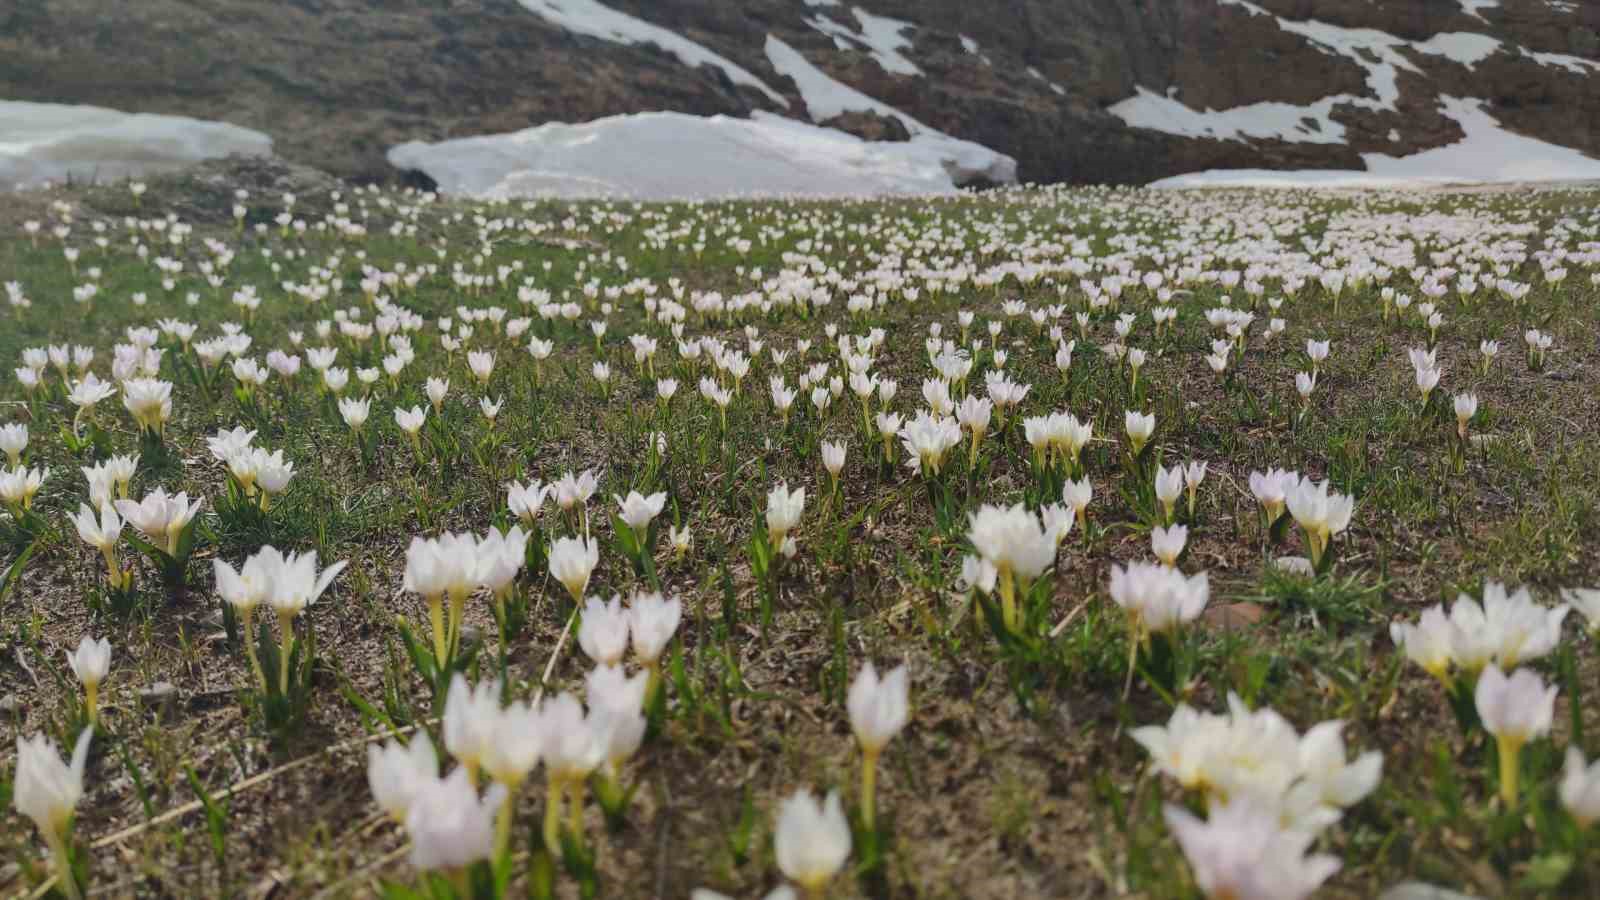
x=1077, y=90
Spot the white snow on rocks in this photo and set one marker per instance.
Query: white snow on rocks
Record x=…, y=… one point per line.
x=1311, y=124
x=1575, y=64
x=671, y=156
x=881, y=36
x=1471, y=7
x=42, y=142
x=826, y=98
x=1463, y=47
x=593, y=19
x=1380, y=54
x=1488, y=153
x=971, y=46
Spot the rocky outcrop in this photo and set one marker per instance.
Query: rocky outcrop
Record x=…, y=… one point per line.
x=338, y=82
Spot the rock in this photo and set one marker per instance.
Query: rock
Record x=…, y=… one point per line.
x=470, y=634
x=1233, y=615
x=159, y=697
x=870, y=126
x=10, y=706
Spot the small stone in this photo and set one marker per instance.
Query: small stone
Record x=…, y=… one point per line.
x=471, y=634
x=1295, y=565
x=10, y=706
x=159, y=697
x=1234, y=615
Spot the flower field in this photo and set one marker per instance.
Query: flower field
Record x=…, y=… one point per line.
x=1045, y=542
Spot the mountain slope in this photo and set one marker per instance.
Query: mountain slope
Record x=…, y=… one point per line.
x=1078, y=90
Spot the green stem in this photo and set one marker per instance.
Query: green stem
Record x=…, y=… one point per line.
x=247, y=617
x=552, y=816
x=285, y=644
x=1008, y=601
x=436, y=618
x=575, y=812
x=869, y=788
x=65, y=879
x=1509, y=748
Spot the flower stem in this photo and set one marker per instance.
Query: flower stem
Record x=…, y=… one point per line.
x=575, y=812
x=502, y=823
x=436, y=618
x=869, y=789
x=1509, y=749
x=1008, y=601
x=552, y=816
x=285, y=644
x=65, y=879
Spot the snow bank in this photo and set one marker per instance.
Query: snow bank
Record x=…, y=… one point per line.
x=42, y=142
x=596, y=20
x=668, y=156
x=826, y=98
x=1487, y=154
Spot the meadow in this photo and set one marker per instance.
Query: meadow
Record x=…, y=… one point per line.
x=1045, y=542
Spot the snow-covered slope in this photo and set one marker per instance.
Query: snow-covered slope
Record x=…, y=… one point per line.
x=42, y=142
x=826, y=98
x=665, y=156
x=594, y=19
x=1488, y=153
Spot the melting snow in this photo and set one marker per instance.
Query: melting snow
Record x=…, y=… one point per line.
x=1378, y=53
x=666, y=155
x=1283, y=121
x=1471, y=7
x=971, y=46
x=42, y=142
x=882, y=36
x=1463, y=47
x=1041, y=76
x=1488, y=153
x=593, y=19
x=826, y=98
x=1576, y=64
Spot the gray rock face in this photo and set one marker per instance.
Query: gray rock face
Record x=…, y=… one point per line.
x=338, y=82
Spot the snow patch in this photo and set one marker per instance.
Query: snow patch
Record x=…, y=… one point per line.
x=882, y=37
x=1312, y=124
x=1471, y=7
x=1575, y=64
x=668, y=156
x=826, y=98
x=1463, y=47
x=42, y=142
x=596, y=20
x=1375, y=51
x=971, y=46
x=1488, y=153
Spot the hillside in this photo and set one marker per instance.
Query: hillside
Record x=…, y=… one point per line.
x=1073, y=90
